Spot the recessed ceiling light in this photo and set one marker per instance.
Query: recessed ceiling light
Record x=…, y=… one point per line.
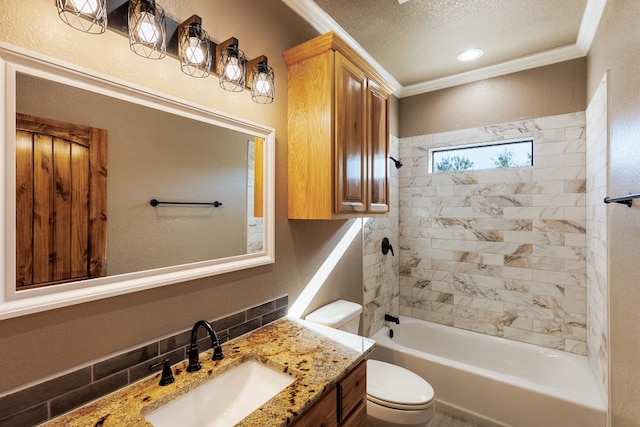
x=470, y=55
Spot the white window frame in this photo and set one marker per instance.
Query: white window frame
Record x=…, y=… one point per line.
x=453, y=148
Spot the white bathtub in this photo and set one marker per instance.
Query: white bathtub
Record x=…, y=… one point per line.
x=494, y=381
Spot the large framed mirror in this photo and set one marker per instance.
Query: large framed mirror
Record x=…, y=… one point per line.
x=110, y=188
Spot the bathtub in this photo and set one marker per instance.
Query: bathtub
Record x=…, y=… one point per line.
x=494, y=381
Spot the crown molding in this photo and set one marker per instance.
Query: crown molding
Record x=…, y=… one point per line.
x=590, y=22
x=318, y=19
x=321, y=22
x=525, y=63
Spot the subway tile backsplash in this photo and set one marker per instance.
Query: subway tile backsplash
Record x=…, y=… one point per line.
x=41, y=402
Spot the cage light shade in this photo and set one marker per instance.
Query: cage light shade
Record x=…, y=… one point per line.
x=262, y=83
x=147, y=31
x=88, y=16
x=232, y=69
x=194, y=50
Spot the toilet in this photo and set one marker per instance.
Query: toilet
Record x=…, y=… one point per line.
x=396, y=397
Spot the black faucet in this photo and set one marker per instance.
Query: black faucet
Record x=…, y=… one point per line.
x=194, y=362
x=390, y=318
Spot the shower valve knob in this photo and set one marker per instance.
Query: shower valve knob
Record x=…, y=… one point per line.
x=386, y=247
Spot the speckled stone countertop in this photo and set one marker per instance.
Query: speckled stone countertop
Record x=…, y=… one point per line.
x=317, y=356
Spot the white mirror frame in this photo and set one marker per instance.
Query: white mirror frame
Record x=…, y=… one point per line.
x=17, y=303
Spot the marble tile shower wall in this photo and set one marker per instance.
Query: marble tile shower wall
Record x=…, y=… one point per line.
x=502, y=251
x=597, y=259
x=380, y=274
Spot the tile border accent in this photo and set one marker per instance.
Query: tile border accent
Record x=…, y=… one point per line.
x=44, y=401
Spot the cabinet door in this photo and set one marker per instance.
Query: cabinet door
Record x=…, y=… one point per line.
x=358, y=418
x=350, y=148
x=378, y=164
x=352, y=391
x=322, y=414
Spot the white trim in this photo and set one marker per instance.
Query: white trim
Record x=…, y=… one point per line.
x=525, y=63
x=12, y=303
x=439, y=149
x=590, y=22
x=319, y=20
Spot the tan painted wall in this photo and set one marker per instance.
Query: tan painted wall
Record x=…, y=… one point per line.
x=545, y=91
x=616, y=48
x=48, y=343
x=394, y=119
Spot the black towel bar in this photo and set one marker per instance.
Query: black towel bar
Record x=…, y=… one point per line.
x=155, y=202
x=625, y=200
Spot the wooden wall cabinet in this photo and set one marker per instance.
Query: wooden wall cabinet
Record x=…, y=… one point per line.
x=338, y=132
x=344, y=405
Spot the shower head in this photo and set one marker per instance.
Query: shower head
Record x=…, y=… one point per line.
x=398, y=163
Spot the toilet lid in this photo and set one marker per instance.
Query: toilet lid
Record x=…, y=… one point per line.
x=396, y=387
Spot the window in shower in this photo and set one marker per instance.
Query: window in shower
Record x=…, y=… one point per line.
x=494, y=155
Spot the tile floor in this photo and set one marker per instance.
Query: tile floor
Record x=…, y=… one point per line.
x=444, y=419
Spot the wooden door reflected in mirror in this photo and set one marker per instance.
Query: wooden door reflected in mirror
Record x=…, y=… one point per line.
x=61, y=202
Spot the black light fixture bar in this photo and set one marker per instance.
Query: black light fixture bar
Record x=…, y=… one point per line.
x=118, y=21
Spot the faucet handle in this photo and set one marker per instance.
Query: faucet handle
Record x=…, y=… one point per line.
x=386, y=246
x=217, y=353
x=167, y=375
x=194, y=362
x=216, y=343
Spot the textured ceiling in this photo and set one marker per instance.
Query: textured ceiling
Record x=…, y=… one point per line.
x=418, y=41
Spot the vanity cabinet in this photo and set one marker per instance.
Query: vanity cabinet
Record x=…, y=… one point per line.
x=344, y=405
x=338, y=132
x=352, y=398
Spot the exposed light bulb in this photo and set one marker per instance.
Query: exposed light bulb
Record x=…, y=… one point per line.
x=194, y=52
x=262, y=84
x=88, y=16
x=147, y=28
x=232, y=69
x=86, y=7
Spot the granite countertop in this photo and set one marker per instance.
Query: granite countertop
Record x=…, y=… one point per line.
x=317, y=356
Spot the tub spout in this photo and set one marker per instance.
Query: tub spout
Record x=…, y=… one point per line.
x=390, y=318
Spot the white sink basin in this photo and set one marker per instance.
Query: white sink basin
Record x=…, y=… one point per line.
x=225, y=399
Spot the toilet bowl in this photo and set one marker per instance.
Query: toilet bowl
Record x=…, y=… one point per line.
x=396, y=397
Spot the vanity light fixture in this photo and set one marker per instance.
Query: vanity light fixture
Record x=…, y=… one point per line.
x=147, y=30
x=232, y=66
x=194, y=48
x=88, y=16
x=470, y=55
x=153, y=35
x=262, y=80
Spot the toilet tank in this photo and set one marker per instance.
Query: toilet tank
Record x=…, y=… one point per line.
x=341, y=314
